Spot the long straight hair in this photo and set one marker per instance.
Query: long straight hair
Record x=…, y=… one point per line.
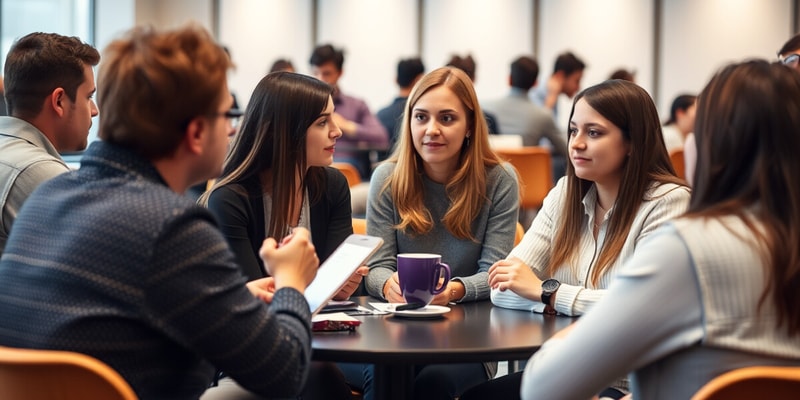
x=466, y=190
x=273, y=138
x=747, y=140
x=631, y=109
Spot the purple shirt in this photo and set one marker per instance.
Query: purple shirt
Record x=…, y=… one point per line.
x=370, y=129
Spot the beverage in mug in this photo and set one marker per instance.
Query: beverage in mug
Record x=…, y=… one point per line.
x=422, y=276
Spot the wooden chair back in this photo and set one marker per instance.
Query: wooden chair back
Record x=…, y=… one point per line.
x=360, y=226
x=48, y=374
x=676, y=156
x=760, y=382
x=534, y=165
x=350, y=172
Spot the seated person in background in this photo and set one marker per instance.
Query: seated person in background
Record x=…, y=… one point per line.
x=680, y=122
x=277, y=176
x=409, y=72
x=352, y=115
x=624, y=75
x=443, y=191
x=49, y=86
x=620, y=186
x=112, y=261
x=565, y=79
x=467, y=64
x=518, y=115
x=282, y=64
x=789, y=54
x=718, y=288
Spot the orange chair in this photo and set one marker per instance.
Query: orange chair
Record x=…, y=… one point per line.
x=534, y=165
x=350, y=172
x=47, y=374
x=360, y=226
x=760, y=382
x=676, y=156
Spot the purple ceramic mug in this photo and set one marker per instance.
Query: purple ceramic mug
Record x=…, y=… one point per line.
x=422, y=276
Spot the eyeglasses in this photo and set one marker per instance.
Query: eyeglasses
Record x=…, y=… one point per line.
x=792, y=60
x=233, y=115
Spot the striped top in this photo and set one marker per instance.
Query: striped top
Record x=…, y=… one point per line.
x=577, y=293
x=681, y=311
x=109, y=262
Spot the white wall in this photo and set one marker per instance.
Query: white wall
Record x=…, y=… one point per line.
x=494, y=33
x=695, y=39
x=112, y=18
x=375, y=36
x=174, y=13
x=701, y=36
x=257, y=32
x=606, y=35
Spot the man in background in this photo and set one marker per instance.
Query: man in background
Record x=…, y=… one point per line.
x=409, y=71
x=518, y=115
x=351, y=114
x=49, y=87
x=467, y=64
x=566, y=80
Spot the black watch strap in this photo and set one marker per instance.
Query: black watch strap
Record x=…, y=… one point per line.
x=549, y=288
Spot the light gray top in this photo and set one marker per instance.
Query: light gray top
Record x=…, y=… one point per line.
x=518, y=115
x=681, y=311
x=494, y=228
x=27, y=158
x=577, y=293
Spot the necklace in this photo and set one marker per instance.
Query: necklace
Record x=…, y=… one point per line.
x=598, y=220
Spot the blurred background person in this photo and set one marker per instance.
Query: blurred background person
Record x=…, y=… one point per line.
x=467, y=64
x=565, y=79
x=409, y=72
x=352, y=116
x=517, y=114
x=624, y=74
x=282, y=64
x=680, y=122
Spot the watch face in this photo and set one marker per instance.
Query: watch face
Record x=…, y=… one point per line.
x=550, y=285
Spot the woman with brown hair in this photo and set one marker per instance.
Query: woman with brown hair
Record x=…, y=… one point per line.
x=620, y=186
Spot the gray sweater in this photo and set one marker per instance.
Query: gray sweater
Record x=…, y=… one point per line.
x=469, y=261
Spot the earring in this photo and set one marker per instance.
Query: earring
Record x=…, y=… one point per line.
x=466, y=141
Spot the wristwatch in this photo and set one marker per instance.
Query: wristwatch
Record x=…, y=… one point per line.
x=549, y=288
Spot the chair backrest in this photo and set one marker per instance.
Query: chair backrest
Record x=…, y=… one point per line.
x=760, y=382
x=519, y=234
x=47, y=374
x=350, y=172
x=676, y=156
x=360, y=226
x=534, y=165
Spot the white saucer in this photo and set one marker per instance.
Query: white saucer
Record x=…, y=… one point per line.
x=429, y=311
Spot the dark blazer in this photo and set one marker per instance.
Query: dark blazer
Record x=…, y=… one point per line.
x=241, y=219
